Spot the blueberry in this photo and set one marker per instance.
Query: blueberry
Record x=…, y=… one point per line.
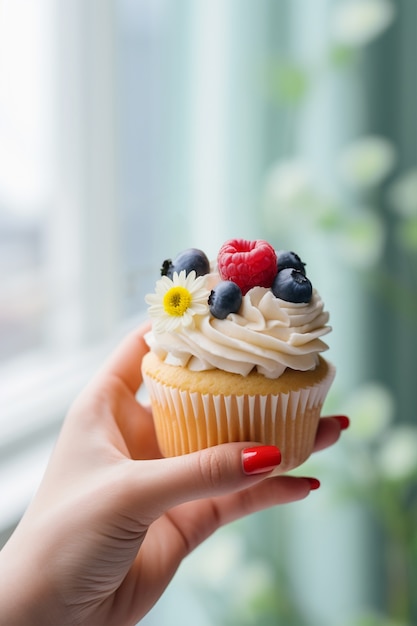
x=188, y=260
x=292, y=285
x=166, y=267
x=286, y=258
x=224, y=299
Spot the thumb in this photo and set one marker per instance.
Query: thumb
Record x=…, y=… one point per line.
x=214, y=471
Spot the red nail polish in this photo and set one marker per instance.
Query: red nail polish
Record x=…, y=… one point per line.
x=314, y=482
x=343, y=420
x=260, y=459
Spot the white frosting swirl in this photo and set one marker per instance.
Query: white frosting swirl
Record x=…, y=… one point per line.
x=268, y=334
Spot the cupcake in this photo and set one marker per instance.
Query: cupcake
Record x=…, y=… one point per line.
x=236, y=351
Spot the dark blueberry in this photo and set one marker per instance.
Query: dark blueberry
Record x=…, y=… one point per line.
x=286, y=258
x=166, y=267
x=292, y=285
x=224, y=299
x=188, y=260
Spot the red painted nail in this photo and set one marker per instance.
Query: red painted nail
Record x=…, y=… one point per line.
x=314, y=482
x=343, y=420
x=260, y=459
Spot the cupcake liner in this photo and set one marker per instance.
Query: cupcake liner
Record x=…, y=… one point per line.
x=189, y=421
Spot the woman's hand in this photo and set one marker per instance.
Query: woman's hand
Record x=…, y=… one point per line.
x=112, y=521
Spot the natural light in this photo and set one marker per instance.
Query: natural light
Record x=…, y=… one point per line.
x=133, y=129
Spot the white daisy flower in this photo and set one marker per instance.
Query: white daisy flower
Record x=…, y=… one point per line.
x=175, y=302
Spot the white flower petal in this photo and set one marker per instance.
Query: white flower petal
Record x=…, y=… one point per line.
x=199, y=308
x=371, y=409
x=153, y=299
x=179, y=278
x=163, y=284
x=156, y=311
x=367, y=161
x=403, y=194
x=397, y=458
x=159, y=325
x=361, y=242
x=169, y=323
x=189, y=280
x=200, y=283
x=187, y=319
x=288, y=182
x=357, y=22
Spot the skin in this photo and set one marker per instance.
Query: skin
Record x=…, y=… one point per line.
x=112, y=520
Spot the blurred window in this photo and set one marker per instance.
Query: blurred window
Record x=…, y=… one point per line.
x=117, y=132
x=83, y=222
x=25, y=172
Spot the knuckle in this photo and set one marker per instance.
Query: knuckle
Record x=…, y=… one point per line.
x=211, y=468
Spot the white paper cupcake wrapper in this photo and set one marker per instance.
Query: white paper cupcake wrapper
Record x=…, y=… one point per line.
x=186, y=421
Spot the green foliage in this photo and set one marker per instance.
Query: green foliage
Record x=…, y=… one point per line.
x=372, y=619
x=288, y=82
x=369, y=207
x=368, y=212
x=407, y=234
x=342, y=56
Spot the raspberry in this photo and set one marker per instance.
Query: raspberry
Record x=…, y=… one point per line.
x=247, y=263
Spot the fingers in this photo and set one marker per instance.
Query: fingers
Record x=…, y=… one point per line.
x=217, y=470
x=198, y=520
x=274, y=491
x=136, y=425
x=329, y=430
x=125, y=362
x=211, y=472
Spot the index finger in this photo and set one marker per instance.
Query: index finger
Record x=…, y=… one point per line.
x=125, y=362
x=329, y=430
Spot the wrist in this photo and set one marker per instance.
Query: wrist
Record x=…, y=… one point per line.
x=26, y=597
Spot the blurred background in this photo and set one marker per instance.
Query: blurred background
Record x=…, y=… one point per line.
x=131, y=129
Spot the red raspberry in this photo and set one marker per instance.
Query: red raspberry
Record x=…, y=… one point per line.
x=247, y=263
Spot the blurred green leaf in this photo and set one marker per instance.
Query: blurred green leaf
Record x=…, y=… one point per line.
x=330, y=219
x=288, y=82
x=397, y=292
x=375, y=620
x=402, y=194
x=341, y=56
x=361, y=241
x=407, y=234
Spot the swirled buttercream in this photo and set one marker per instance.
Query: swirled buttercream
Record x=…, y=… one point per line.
x=268, y=334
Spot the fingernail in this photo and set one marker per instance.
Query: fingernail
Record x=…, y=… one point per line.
x=314, y=482
x=343, y=420
x=260, y=459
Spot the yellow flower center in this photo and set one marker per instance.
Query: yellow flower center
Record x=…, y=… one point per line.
x=177, y=300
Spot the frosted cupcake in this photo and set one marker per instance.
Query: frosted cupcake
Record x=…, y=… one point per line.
x=235, y=351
